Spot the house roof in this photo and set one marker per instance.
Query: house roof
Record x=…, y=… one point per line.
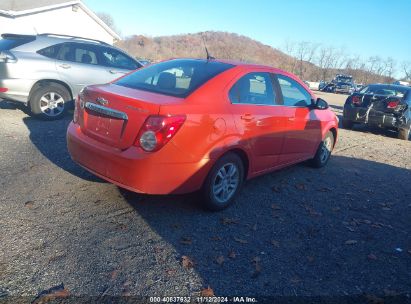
x=15, y=8
x=22, y=5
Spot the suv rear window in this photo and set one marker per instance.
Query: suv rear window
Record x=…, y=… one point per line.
x=384, y=90
x=12, y=41
x=179, y=77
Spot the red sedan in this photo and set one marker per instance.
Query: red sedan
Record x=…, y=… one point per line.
x=191, y=124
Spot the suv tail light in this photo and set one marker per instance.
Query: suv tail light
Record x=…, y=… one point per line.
x=393, y=103
x=356, y=100
x=6, y=56
x=3, y=90
x=157, y=130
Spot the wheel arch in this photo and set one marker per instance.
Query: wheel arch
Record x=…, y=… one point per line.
x=333, y=130
x=243, y=156
x=43, y=82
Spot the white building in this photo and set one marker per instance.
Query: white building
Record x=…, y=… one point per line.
x=53, y=16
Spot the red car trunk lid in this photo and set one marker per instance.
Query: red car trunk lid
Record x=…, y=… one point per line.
x=114, y=114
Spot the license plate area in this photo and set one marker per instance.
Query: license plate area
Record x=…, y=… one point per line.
x=104, y=123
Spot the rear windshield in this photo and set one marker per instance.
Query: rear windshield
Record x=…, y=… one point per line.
x=179, y=77
x=10, y=43
x=384, y=90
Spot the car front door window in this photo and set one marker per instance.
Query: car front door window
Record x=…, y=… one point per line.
x=253, y=88
x=293, y=93
x=116, y=59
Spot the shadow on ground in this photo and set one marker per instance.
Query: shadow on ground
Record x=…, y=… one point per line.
x=49, y=137
x=340, y=230
x=10, y=105
x=300, y=231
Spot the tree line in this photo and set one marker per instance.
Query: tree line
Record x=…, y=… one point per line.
x=328, y=60
x=310, y=61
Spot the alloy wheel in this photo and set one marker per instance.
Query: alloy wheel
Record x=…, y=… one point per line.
x=52, y=104
x=226, y=182
x=326, y=149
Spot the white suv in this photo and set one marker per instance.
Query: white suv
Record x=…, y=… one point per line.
x=47, y=71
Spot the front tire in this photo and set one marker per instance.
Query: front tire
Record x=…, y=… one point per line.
x=404, y=133
x=223, y=182
x=324, y=151
x=347, y=124
x=49, y=101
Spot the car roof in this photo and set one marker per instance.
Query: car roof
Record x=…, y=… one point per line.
x=44, y=40
x=391, y=86
x=238, y=63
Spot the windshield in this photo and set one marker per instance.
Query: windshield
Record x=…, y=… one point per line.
x=179, y=77
x=344, y=79
x=383, y=90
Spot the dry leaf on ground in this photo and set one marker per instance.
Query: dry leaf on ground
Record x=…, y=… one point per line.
x=232, y=255
x=228, y=221
x=240, y=240
x=372, y=256
x=220, y=260
x=275, y=243
x=186, y=241
x=207, y=292
x=186, y=262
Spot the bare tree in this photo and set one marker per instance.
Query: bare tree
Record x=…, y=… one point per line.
x=305, y=52
x=390, y=64
x=327, y=58
x=406, y=67
x=109, y=21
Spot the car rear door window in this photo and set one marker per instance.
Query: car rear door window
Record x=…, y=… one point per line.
x=293, y=93
x=80, y=53
x=116, y=59
x=51, y=51
x=253, y=88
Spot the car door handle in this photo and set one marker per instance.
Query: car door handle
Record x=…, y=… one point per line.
x=246, y=117
x=115, y=72
x=65, y=66
x=291, y=118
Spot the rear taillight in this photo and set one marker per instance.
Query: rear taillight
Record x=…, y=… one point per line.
x=356, y=100
x=76, y=109
x=3, y=90
x=392, y=104
x=6, y=56
x=157, y=130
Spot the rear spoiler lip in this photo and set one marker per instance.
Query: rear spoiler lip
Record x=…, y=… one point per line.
x=16, y=36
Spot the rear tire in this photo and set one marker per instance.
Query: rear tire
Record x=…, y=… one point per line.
x=323, y=151
x=49, y=101
x=347, y=124
x=404, y=133
x=223, y=182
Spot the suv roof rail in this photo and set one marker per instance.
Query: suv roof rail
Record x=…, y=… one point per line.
x=73, y=37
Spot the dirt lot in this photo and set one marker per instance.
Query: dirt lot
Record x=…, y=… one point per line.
x=342, y=230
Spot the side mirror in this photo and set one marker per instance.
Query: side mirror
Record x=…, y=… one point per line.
x=319, y=104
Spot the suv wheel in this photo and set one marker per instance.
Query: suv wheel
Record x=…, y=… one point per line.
x=404, y=133
x=347, y=124
x=223, y=182
x=49, y=101
x=324, y=151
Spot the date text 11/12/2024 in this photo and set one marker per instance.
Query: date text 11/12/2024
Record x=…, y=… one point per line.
x=203, y=300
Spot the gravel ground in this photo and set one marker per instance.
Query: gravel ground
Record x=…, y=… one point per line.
x=342, y=230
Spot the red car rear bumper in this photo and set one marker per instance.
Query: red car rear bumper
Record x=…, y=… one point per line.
x=134, y=169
